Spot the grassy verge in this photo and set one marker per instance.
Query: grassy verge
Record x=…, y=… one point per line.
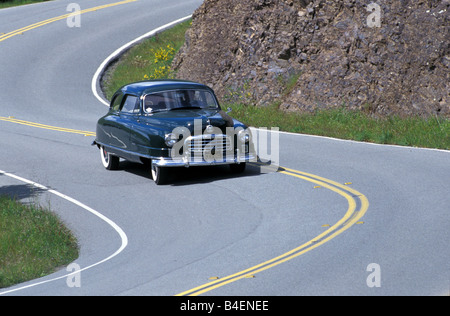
x=354, y=125
x=14, y=3
x=149, y=60
x=142, y=62
x=33, y=242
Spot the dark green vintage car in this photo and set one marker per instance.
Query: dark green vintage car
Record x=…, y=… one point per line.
x=171, y=123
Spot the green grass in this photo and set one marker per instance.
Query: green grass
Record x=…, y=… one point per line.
x=340, y=123
x=13, y=3
x=354, y=125
x=33, y=242
x=149, y=60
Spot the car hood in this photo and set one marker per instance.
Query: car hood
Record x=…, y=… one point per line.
x=169, y=120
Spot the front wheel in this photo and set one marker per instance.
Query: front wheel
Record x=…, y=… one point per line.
x=109, y=161
x=159, y=174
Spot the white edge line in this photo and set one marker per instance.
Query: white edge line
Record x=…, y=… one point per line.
x=358, y=142
x=121, y=233
x=120, y=50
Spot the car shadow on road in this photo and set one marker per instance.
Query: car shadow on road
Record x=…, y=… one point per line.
x=181, y=176
x=26, y=193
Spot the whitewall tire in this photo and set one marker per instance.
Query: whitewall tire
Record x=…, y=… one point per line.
x=109, y=161
x=159, y=174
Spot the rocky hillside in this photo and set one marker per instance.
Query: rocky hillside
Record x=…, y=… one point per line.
x=380, y=56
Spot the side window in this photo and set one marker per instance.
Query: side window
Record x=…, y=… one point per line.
x=131, y=104
x=115, y=104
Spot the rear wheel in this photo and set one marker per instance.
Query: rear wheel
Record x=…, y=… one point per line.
x=159, y=174
x=109, y=161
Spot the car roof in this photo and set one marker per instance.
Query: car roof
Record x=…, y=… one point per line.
x=149, y=86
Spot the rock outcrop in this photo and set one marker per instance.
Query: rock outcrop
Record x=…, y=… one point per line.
x=385, y=56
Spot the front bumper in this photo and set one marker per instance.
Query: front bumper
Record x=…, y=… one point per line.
x=187, y=161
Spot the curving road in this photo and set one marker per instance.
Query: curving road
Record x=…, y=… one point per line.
x=339, y=218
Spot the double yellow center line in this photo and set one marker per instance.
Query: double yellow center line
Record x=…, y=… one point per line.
x=62, y=17
x=44, y=126
x=357, y=207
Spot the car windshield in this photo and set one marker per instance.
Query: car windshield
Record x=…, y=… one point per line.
x=179, y=99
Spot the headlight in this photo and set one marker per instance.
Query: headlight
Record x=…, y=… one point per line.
x=209, y=129
x=244, y=136
x=171, y=139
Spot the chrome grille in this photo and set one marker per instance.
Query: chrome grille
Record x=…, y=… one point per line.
x=196, y=144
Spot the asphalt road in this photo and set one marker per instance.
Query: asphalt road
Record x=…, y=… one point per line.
x=339, y=218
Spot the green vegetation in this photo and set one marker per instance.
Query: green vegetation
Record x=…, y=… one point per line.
x=33, y=242
x=149, y=60
x=345, y=124
x=141, y=63
x=13, y=3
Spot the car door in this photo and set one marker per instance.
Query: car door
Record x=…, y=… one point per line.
x=128, y=115
x=110, y=124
